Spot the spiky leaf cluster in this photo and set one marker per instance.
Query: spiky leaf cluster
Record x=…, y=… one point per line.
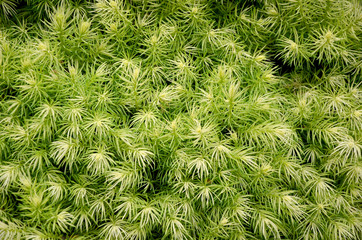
x=180, y=120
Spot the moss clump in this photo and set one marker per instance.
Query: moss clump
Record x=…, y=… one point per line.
x=180, y=119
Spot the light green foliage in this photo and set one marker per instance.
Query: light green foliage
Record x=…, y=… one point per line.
x=180, y=119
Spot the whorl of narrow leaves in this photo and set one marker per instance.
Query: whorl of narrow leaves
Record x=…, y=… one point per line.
x=180, y=119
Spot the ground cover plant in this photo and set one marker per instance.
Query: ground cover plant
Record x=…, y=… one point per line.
x=169, y=119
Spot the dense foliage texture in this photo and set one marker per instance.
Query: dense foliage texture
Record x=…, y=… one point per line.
x=180, y=119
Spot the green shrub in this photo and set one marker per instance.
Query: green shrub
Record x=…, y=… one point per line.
x=168, y=119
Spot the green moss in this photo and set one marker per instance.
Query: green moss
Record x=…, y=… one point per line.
x=180, y=119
